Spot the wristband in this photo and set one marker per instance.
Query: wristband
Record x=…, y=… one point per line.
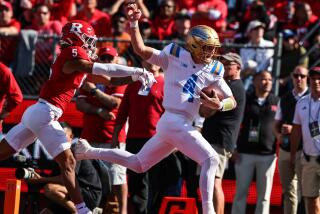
x=93, y=91
x=134, y=24
x=227, y=104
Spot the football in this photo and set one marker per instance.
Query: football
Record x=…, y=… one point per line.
x=205, y=111
x=209, y=91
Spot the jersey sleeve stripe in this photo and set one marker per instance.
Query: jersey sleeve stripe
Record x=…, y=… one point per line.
x=175, y=50
x=214, y=67
x=220, y=69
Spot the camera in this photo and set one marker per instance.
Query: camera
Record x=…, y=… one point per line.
x=24, y=173
x=25, y=169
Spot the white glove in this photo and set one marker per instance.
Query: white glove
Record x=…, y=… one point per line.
x=146, y=78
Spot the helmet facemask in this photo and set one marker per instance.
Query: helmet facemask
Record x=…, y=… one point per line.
x=208, y=53
x=81, y=34
x=89, y=44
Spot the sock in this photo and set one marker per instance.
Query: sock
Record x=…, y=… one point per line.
x=206, y=184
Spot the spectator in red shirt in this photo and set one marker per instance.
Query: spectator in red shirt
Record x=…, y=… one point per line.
x=62, y=10
x=44, y=26
x=99, y=20
x=44, y=47
x=182, y=24
x=303, y=19
x=187, y=5
x=100, y=103
x=163, y=23
x=212, y=13
x=10, y=94
x=8, y=26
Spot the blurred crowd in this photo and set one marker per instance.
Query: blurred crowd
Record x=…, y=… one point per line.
x=163, y=20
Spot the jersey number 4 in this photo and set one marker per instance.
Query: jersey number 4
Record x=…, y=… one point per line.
x=189, y=87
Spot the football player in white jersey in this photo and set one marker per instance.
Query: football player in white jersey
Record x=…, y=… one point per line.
x=186, y=71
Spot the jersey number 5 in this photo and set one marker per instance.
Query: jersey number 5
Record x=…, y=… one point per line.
x=74, y=52
x=189, y=87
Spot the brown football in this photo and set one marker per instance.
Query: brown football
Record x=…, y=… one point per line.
x=205, y=111
x=209, y=91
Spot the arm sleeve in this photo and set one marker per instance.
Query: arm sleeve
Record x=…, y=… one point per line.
x=115, y=70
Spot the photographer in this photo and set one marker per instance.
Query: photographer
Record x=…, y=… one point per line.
x=87, y=176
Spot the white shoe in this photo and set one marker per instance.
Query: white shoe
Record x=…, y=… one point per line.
x=80, y=149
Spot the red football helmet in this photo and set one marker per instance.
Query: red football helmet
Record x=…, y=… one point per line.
x=79, y=33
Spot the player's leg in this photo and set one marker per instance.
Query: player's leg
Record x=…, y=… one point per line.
x=197, y=148
x=59, y=194
x=151, y=153
x=18, y=137
x=54, y=139
x=190, y=142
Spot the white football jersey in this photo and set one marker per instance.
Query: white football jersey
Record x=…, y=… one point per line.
x=184, y=79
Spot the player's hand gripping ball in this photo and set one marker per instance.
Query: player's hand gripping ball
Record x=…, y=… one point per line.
x=215, y=95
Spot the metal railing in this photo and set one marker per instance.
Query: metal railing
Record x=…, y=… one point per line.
x=30, y=78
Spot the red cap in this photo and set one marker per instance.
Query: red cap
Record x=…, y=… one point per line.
x=314, y=71
x=108, y=51
x=6, y=5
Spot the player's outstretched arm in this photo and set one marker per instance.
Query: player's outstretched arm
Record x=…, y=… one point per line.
x=133, y=15
x=111, y=70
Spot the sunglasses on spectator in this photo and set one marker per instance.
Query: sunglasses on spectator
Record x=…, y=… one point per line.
x=167, y=5
x=296, y=76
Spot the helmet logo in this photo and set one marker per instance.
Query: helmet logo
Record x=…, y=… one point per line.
x=200, y=33
x=76, y=28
